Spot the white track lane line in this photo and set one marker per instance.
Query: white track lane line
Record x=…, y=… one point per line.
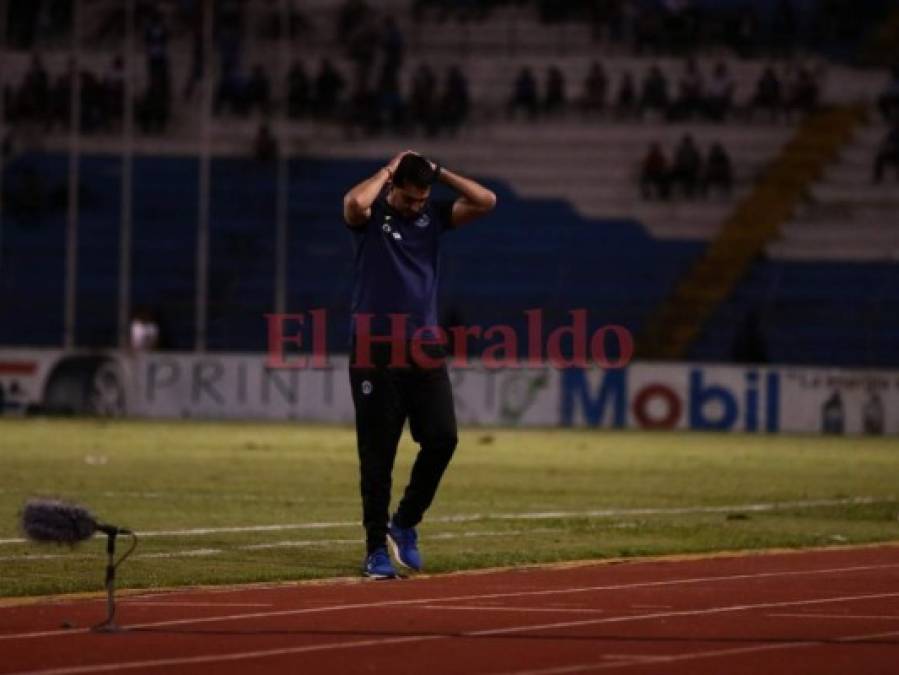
x=462, y=598
x=801, y=615
x=495, y=608
x=355, y=644
x=585, y=667
x=175, y=603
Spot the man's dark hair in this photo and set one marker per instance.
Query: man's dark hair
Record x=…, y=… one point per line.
x=414, y=170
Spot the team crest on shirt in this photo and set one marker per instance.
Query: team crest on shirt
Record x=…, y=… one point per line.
x=423, y=220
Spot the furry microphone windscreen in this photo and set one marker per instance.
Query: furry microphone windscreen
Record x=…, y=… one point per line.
x=52, y=520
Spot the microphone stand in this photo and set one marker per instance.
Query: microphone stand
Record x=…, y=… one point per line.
x=110, y=625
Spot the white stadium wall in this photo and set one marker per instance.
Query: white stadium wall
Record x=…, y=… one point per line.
x=644, y=395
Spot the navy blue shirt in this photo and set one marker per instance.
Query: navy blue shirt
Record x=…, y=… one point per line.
x=397, y=263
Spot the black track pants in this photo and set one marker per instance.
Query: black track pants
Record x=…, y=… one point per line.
x=384, y=397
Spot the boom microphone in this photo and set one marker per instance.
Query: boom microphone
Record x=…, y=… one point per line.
x=59, y=522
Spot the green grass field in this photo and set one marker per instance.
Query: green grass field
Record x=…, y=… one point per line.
x=510, y=497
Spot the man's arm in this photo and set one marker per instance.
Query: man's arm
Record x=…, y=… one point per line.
x=474, y=199
x=357, y=202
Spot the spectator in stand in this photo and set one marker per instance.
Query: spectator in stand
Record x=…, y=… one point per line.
x=390, y=106
x=299, y=98
x=363, y=110
x=114, y=92
x=888, y=101
x=595, y=86
x=720, y=93
x=266, y=145
x=61, y=97
x=156, y=37
x=423, y=111
x=687, y=167
x=194, y=19
x=455, y=101
x=390, y=101
x=31, y=102
x=524, y=94
x=768, y=94
x=718, y=171
x=803, y=95
x=153, y=109
x=626, y=99
x=228, y=38
x=655, y=173
x=655, y=92
x=329, y=85
x=393, y=48
x=258, y=92
x=93, y=103
x=887, y=154
x=555, y=100
x=230, y=93
x=690, y=93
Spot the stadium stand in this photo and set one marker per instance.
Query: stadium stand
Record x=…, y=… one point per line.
x=573, y=229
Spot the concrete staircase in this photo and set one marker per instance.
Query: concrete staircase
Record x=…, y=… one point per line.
x=845, y=216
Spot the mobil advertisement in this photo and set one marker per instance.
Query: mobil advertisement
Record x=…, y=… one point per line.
x=663, y=396
x=728, y=398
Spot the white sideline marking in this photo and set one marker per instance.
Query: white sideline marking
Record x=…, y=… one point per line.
x=480, y=596
x=498, y=608
x=243, y=656
x=536, y=515
x=299, y=543
x=801, y=615
x=190, y=553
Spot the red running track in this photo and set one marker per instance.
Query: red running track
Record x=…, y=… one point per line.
x=821, y=612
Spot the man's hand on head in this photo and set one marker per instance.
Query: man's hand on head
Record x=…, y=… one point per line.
x=395, y=162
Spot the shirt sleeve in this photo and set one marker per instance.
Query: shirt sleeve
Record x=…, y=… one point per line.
x=361, y=227
x=443, y=210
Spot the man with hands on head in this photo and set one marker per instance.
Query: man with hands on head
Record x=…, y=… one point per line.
x=397, y=366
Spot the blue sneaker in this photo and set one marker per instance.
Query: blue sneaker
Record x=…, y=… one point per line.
x=377, y=565
x=404, y=543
